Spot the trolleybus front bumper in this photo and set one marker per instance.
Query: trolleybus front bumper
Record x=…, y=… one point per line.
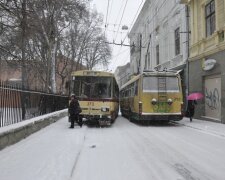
x=102, y=120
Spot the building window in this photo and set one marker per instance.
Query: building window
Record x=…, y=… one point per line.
x=210, y=18
x=177, y=41
x=157, y=54
x=146, y=61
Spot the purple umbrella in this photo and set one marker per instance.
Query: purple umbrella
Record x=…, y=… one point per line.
x=195, y=96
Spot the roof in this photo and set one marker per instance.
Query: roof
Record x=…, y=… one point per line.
x=92, y=73
x=135, y=78
x=151, y=73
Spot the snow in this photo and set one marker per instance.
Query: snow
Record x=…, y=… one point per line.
x=29, y=121
x=124, y=151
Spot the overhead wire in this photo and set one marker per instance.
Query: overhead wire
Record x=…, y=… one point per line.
x=106, y=16
x=122, y=41
x=150, y=20
x=136, y=13
x=114, y=25
x=131, y=23
x=154, y=15
x=120, y=53
x=110, y=9
x=121, y=18
x=110, y=16
x=134, y=18
x=118, y=13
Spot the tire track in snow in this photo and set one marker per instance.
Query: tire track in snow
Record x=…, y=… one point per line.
x=77, y=157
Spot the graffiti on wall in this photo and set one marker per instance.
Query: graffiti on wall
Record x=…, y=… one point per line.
x=212, y=98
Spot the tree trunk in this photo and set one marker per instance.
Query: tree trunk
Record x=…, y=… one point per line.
x=53, y=60
x=23, y=46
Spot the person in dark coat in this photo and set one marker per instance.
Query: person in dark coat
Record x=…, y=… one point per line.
x=191, y=108
x=74, y=110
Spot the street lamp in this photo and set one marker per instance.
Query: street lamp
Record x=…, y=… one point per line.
x=124, y=27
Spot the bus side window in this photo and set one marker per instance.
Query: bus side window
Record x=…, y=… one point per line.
x=116, y=91
x=126, y=93
x=136, y=88
x=76, y=87
x=132, y=90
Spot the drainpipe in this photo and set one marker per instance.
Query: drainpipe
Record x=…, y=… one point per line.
x=188, y=44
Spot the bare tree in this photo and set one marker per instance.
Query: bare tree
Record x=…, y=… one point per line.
x=54, y=29
x=88, y=42
x=52, y=17
x=97, y=52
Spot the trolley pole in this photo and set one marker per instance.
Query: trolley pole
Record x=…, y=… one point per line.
x=139, y=64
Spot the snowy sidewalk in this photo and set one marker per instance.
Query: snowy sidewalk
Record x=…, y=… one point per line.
x=13, y=133
x=206, y=126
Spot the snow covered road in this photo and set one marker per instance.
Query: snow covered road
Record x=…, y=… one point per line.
x=124, y=151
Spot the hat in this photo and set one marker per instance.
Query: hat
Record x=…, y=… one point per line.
x=72, y=95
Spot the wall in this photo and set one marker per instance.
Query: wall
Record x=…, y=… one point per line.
x=200, y=44
x=197, y=79
x=14, y=133
x=156, y=23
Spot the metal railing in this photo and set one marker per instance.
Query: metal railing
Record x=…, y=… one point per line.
x=17, y=105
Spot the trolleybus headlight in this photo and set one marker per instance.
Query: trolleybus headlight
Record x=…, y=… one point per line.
x=154, y=101
x=140, y=107
x=170, y=101
x=104, y=109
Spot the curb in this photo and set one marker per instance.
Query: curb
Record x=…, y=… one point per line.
x=206, y=128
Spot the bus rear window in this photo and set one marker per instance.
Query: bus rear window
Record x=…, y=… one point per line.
x=150, y=84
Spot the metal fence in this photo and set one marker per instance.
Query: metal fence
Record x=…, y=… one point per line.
x=17, y=105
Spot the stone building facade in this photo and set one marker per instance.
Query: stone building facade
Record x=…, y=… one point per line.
x=207, y=57
x=159, y=36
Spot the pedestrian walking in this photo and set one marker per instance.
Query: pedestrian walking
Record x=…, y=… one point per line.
x=191, y=109
x=74, y=111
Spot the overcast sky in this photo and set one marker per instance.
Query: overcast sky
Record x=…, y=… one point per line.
x=120, y=12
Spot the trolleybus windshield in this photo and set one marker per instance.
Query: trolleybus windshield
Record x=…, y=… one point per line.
x=150, y=84
x=92, y=87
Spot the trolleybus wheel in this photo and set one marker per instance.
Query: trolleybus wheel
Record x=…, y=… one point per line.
x=130, y=116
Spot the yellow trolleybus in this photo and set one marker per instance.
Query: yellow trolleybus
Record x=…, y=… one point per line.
x=152, y=96
x=98, y=95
